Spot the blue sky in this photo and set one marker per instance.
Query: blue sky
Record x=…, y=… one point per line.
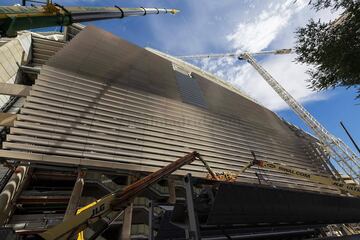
x=213, y=26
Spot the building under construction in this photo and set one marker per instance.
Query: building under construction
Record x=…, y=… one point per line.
x=85, y=114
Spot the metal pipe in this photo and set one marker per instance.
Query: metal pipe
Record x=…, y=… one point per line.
x=208, y=168
x=74, y=200
x=151, y=221
x=16, y=18
x=28, y=69
x=127, y=220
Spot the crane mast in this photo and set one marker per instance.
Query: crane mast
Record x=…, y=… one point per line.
x=337, y=149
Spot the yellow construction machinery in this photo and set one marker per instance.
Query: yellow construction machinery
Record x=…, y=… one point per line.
x=118, y=200
x=115, y=201
x=353, y=189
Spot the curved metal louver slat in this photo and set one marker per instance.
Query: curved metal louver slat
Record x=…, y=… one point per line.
x=43, y=49
x=138, y=114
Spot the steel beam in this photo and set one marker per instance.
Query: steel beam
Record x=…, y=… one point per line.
x=31, y=70
x=75, y=196
x=126, y=227
x=193, y=222
x=43, y=199
x=151, y=220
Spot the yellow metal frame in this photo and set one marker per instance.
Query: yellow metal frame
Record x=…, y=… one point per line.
x=353, y=189
x=81, y=235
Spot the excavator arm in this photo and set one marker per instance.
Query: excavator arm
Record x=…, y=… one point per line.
x=113, y=202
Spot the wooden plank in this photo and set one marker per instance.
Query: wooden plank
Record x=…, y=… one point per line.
x=14, y=89
x=7, y=119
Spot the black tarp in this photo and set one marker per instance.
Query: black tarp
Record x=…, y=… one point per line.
x=251, y=204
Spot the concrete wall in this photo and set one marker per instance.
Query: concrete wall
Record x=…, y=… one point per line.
x=14, y=51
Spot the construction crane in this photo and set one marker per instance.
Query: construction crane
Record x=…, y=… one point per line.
x=115, y=201
x=337, y=149
x=353, y=189
x=16, y=18
x=237, y=55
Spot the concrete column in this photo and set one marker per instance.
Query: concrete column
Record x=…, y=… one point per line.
x=75, y=196
x=10, y=191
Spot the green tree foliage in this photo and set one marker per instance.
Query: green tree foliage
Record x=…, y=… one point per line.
x=334, y=4
x=332, y=49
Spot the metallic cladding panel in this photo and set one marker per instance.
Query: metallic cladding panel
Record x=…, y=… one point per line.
x=101, y=102
x=223, y=101
x=101, y=55
x=190, y=90
x=72, y=30
x=43, y=49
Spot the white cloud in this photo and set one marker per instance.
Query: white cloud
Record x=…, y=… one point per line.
x=274, y=27
x=258, y=32
x=201, y=26
x=208, y=26
x=253, y=26
x=282, y=68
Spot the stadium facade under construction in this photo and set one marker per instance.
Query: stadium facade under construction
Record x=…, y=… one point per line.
x=85, y=113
